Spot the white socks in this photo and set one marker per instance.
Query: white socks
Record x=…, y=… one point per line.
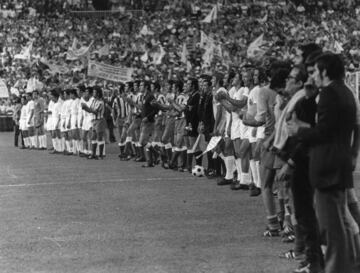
x=244, y=178
x=229, y=165
x=255, y=173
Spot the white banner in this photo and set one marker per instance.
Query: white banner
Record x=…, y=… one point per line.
x=110, y=72
x=4, y=93
x=74, y=52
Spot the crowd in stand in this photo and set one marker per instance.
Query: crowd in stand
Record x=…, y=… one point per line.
x=243, y=78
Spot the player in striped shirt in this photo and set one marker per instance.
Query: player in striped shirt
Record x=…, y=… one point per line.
x=119, y=115
x=97, y=109
x=134, y=128
x=180, y=149
x=129, y=98
x=159, y=121
x=169, y=125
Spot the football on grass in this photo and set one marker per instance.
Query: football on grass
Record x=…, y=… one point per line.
x=198, y=171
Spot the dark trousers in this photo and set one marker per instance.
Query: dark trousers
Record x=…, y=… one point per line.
x=303, y=196
x=110, y=125
x=337, y=231
x=16, y=136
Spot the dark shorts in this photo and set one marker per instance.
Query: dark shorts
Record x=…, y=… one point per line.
x=245, y=149
x=146, y=131
x=99, y=126
x=168, y=135
x=31, y=130
x=237, y=144
x=159, y=128
x=122, y=129
x=133, y=130
x=39, y=131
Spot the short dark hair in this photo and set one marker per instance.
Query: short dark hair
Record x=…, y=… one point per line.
x=194, y=84
x=278, y=79
x=54, y=93
x=333, y=64
x=98, y=91
x=311, y=58
x=307, y=49
x=147, y=85
x=179, y=85
x=157, y=86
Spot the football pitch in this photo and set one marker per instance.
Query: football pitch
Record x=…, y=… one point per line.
x=68, y=214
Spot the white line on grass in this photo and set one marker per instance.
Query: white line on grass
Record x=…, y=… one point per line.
x=104, y=181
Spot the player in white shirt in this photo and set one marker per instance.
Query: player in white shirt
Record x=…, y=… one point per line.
x=56, y=120
x=86, y=122
x=22, y=123
x=80, y=116
x=74, y=129
x=30, y=120
x=65, y=123
x=50, y=126
x=235, y=102
x=223, y=123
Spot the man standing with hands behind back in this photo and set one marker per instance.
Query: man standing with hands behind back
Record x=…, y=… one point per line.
x=331, y=155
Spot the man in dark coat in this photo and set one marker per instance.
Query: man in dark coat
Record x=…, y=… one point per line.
x=330, y=168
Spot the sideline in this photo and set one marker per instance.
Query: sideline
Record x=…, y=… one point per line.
x=105, y=181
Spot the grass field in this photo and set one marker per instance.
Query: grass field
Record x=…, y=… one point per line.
x=68, y=214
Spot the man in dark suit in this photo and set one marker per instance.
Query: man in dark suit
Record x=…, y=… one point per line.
x=331, y=156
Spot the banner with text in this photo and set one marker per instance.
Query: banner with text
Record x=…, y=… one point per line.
x=109, y=72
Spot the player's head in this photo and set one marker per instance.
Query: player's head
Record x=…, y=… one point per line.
x=278, y=80
x=35, y=94
x=73, y=94
x=80, y=90
x=88, y=93
x=295, y=80
x=217, y=80
x=192, y=85
x=329, y=67
x=97, y=92
x=129, y=87
x=54, y=95
x=303, y=51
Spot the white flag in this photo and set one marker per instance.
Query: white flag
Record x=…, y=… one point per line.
x=212, y=16
x=205, y=40
x=254, y=50
x=25, y=53
x=338, y=47
x=144, y=58
x=159, y=56
x=184, y=54
x=145, y=31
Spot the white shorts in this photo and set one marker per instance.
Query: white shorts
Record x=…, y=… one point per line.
x=50, y=124
x=73, y=123
x=22, y=125
x=63, y=125
x=87, y=124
